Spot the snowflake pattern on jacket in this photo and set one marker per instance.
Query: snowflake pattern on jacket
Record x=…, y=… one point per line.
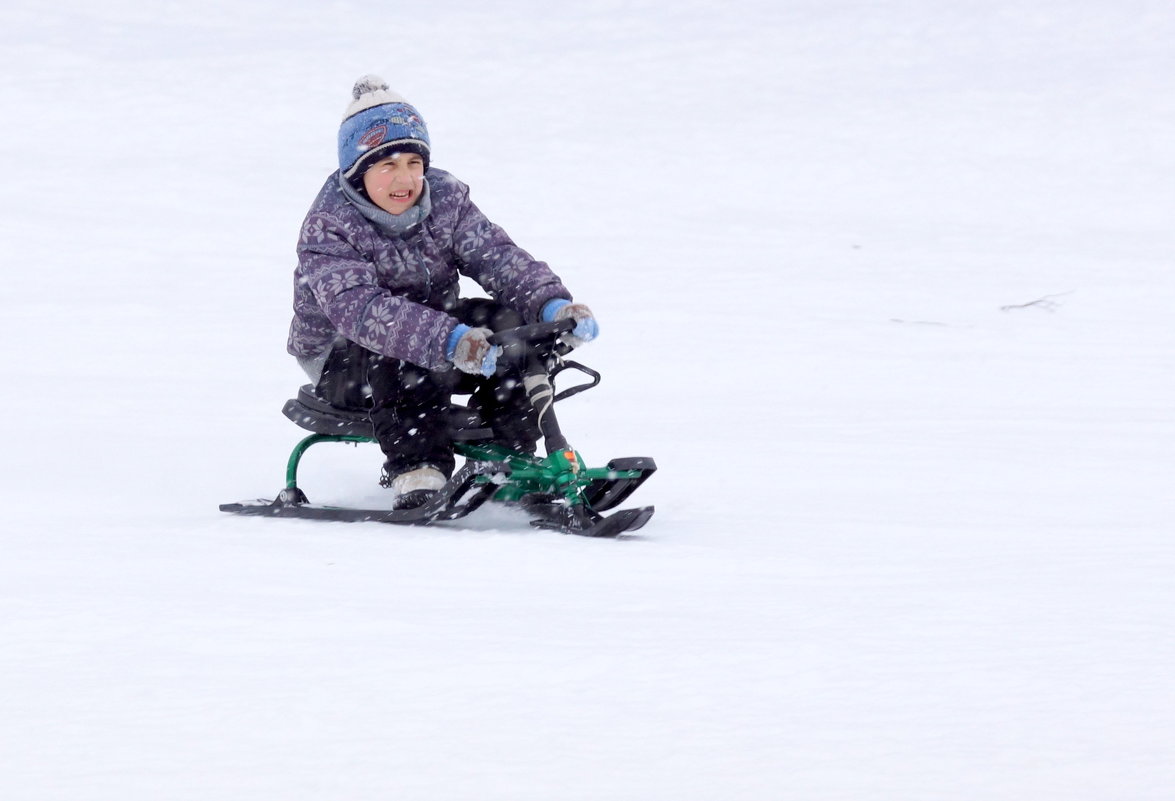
x=389, y=292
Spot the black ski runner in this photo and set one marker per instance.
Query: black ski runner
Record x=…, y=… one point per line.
x=611, y=526
x=558, y=515
x=463, y=493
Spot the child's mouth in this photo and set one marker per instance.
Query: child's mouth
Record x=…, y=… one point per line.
x=402, y=195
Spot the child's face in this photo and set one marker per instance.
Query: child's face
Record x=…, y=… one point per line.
x=394, y=184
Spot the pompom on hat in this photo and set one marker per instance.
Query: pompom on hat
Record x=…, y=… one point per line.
x=378, y=122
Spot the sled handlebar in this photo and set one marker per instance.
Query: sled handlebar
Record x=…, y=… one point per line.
x=532, y=334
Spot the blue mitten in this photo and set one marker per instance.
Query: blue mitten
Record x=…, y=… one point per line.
x=470, y=351
x=586, y=327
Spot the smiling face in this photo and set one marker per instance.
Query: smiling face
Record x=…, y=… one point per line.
x=395, y=183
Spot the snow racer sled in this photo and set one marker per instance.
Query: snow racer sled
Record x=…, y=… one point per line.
x=557, y=491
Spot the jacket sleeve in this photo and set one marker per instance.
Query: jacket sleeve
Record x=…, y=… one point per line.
x=507, y=272
x=347, y=290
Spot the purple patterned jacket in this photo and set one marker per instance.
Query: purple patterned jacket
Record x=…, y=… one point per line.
x=389, y=291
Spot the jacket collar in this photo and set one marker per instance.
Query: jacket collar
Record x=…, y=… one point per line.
x=394, y=224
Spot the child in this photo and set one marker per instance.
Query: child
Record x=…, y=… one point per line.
x=375, y=296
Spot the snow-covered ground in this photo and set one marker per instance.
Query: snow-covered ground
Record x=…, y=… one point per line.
x=885, y=288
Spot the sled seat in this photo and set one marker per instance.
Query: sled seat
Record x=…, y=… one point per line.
x=314, y=414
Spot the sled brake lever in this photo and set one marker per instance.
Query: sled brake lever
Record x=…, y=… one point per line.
x=578, y=388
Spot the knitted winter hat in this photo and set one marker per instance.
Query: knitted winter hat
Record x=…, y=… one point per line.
x=378, y=122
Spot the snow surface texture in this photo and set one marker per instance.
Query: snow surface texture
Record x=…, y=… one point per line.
x=885, y=288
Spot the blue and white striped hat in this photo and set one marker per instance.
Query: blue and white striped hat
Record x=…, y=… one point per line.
x=378, y=122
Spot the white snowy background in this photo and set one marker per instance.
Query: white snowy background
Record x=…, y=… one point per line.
x=886, y=289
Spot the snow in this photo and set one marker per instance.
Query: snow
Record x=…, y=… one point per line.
x=886, y=289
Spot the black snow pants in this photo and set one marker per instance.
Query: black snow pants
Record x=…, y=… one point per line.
x=409, y=405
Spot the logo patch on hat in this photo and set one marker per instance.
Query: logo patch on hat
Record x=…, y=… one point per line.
x=373, y=137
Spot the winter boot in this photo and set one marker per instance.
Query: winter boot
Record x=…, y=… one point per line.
x=414, y=488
